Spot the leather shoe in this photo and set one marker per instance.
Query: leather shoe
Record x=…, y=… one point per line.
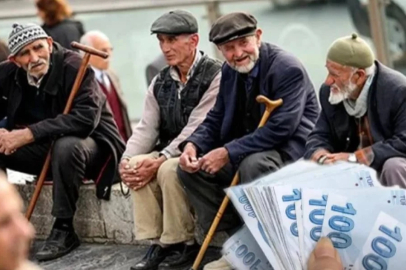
x=155, y=255
x=58, y=244
x=181, y=258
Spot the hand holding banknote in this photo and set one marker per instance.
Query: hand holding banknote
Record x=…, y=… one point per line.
x=324, y=257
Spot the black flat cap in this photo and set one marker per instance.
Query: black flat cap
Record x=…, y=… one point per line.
x=232, y=26
x=175, y=22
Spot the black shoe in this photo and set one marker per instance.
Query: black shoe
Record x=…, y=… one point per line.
x=181, y=259
x=155, y=255
x=58, y=244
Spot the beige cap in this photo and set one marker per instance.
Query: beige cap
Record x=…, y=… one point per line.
x=351, y=51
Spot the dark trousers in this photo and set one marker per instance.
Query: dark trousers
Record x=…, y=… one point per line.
x=206, y=192
x=72, y=160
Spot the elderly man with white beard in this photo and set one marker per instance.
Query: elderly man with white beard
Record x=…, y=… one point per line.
x=363, y=117
x=228, y=139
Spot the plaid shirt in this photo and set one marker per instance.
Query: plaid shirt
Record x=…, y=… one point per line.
x=364, y=154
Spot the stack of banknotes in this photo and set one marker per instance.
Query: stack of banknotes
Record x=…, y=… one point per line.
x=286, y=213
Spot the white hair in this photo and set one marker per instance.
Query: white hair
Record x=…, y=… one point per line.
x=368, y=71
x=87, y=38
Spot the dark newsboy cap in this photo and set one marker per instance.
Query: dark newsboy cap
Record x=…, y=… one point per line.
x=175, y=22
x=232, y=26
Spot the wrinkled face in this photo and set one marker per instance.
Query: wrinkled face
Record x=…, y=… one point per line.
x=35, y=57
x=178, y=49
x=344, y=81
x=15, y=230
x=241, y=54
x=103, y=45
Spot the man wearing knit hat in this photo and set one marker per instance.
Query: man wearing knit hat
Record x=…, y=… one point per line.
x=34, y=88
x=363, y=117
x=228, y=139
x=177, y=101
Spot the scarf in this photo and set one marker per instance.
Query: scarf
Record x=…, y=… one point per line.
x=359, y=107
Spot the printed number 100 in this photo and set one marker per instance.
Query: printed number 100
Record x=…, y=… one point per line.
x=341, y=224
x=383, y=247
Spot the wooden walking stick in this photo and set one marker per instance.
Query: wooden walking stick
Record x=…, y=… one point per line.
x=78, y=81
x=269, y=107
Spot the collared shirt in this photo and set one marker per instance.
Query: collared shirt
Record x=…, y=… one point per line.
x=173, y=71
x=33, y=82
x=102, y=78
x=146, y=133
x=250, y=77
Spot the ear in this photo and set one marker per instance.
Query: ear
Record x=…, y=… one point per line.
x=195, y=39
x=50, y=44
x=258, y=35
x=12, y=58
x=360, y=76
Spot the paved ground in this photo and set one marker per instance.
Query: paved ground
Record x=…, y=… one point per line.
x=96, y=257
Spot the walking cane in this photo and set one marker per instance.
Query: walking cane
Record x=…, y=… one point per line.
x=79, y=77
x=269, y=107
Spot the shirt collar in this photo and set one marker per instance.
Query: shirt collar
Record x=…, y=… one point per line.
x=33, y=82
x=175, y=74
x=98, y=74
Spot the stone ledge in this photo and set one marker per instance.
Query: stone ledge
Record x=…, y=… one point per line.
x=96, y=221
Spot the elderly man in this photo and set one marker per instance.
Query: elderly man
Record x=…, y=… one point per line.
x=34, y=87
x=363, y=116
x=108, y=80
x=15, y=231
x=228, y=138
x=177, y=101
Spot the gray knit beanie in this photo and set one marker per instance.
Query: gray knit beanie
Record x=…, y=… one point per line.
x=22, y=35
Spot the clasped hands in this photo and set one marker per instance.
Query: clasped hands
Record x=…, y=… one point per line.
x=211, y=163
x=140, y=174
x=10, y=141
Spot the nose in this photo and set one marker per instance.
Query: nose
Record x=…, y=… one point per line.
x=165, y=47
x=329, y=80
x=238, y=53
x=33, y=57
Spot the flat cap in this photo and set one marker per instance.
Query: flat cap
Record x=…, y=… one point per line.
x=351, y=51
x=175, y=22
x=232, y=26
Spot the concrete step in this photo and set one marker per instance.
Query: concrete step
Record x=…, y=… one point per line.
x=96, y=221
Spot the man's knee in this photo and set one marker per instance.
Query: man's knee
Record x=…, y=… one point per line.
x=135, y=159
x=183, y=176
x=168, y=168
x=394, y=165
x=68, y=148
x=259, y=164
x=394, y=172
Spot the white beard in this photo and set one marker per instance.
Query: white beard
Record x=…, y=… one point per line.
x=343, y=94
x=248, y=67
x=245, y=69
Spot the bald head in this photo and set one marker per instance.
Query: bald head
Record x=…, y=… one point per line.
x=99, y=41
x=15, y=230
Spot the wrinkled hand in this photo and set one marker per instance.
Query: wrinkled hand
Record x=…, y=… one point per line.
x=11, y=141
x=146, y=170
x=127, y=173
x=213, y=161
x=188, y=160
x=324, y=257
x=333, y=158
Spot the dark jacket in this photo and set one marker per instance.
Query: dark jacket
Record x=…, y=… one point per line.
x=281, y=76
x=336, y=131
x=65, y=32
x=89, y=115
